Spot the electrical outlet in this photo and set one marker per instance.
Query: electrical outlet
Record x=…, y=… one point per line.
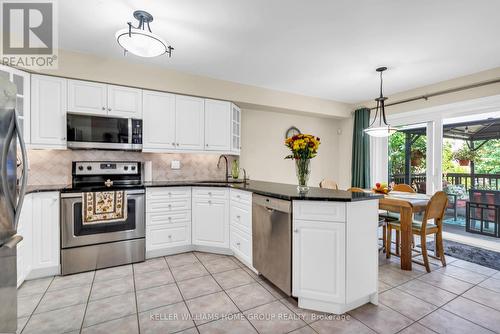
x=175, y=164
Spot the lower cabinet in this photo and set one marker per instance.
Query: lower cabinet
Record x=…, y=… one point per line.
x=45, y=236
x=168, y=220
x=240, y=214
x=210, y=208
x=319, y=260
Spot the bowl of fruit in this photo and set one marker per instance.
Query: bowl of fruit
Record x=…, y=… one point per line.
x=382, y=188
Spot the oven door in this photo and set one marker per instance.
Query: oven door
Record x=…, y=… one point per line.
x=74, y=233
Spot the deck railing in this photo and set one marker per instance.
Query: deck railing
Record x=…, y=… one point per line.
x=481, y=181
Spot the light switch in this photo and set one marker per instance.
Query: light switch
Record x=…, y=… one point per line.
x=175, y=164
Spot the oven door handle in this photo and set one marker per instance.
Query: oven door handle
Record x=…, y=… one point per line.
x=128, y=192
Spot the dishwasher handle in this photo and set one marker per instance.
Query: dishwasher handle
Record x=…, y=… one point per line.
x=272, y=204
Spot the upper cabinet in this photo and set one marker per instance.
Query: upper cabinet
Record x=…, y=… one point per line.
x=105, y=100
x=217, y=125
x=158, y=121
x=235, y=129
x=189, y=122
x=22, y=81
x=124, y=102
x=87, y=97
x=48, y=112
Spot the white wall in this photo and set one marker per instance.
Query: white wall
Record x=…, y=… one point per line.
x=263, y=135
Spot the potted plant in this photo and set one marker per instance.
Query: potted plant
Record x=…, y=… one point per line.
x=304, y=148
x=416, y=157
x=464, y=156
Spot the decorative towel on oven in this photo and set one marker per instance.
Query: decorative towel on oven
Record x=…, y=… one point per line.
x=104, y=207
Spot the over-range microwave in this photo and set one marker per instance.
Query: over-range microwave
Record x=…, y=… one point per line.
x=105, y=133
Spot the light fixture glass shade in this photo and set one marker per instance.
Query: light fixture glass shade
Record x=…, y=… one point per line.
x=380, y=131
x=140, y=42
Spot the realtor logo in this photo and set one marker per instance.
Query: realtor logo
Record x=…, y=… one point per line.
x=29, y=35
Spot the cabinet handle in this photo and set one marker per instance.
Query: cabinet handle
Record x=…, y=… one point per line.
x=238, y=196
x=238, y=217
x=169, y=193
x=103, y=108
x=173, y=144
x=170, y=206
x=237, y=243
x=209, y=202
x=109, y=109
x=169, y=218
x=296, y=231
x=170, y=236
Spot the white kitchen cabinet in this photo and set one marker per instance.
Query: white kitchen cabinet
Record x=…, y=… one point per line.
x=210, y=216
x=217, y=125
x=158, y=121
x=25, y=247
x=189, y=122
x=87, y=97
x=335, y=254
x=235, y=129
x=22, y=81
x=168, y=221
x=240, y=221
x=124, y=102
x=319, y=260
x=46, y=247
x=48, y=112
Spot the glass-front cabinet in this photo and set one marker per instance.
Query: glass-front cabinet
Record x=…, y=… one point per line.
x=235, y=129
x=22, y=81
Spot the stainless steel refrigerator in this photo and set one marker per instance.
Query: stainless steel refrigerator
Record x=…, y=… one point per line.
x=12, y=190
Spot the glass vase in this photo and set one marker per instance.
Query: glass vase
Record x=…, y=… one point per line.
x=235, y=169
x=303, y=170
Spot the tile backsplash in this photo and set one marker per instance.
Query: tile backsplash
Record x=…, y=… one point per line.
x=54, y=166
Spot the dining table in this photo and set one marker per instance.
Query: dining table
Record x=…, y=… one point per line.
x=406, y=204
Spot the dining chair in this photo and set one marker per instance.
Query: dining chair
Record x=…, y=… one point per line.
x=432, y=223
x=381, y=221
x=392, y=216
x=329, y=184
x=403, y=187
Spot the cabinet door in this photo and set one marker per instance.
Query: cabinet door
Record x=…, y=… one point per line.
x=319, y=260
x=46, y=233
x=48, y=112
x=217, y=125
x=25, y=247
x=189, y=122
x=235, y=129
x=124, y=102
x=87, y=97
x=210, y=222
x=158, y=121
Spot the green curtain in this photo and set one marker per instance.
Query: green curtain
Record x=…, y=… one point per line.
x=361, y=150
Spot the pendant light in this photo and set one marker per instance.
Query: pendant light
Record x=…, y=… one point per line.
x=380, y=128
x=142, y=42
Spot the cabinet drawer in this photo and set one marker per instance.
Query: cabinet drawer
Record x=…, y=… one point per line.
x=156, y=205
x=158, y=237
x=243, y=197
x=167, y=193
x=241, y=217
x=165, y=218
x=241, y=244
x=210, y=192
x=319, y=211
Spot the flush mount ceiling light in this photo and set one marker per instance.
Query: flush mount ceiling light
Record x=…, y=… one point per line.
x=380, y=128
x=142, y=42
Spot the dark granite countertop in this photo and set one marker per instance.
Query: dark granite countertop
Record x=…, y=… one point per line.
x=271, y=189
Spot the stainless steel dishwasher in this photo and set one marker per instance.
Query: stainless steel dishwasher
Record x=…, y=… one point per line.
x=272, y=240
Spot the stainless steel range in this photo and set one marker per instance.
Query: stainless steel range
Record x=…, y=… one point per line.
x=106, y=243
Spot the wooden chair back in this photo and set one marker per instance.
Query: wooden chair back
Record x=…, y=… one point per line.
x=356, y=190
x=403, y=187
x=435, y=209
x=328, y=184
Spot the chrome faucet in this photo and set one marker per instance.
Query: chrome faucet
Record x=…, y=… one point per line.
x=218, y=166
x=244, y=175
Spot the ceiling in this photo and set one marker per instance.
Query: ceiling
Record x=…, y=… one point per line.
x=321, y=48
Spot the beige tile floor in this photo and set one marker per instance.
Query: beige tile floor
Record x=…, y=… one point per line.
x=209, y=293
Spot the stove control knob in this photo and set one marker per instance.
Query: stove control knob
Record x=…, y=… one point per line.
x=89, y=167
x=125, y=167
x=133, y=167
x=80, y=167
